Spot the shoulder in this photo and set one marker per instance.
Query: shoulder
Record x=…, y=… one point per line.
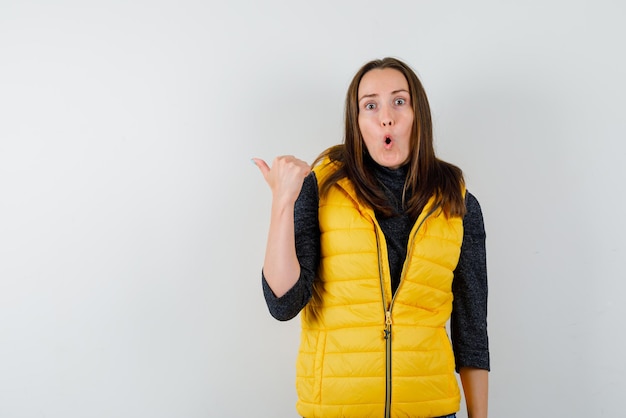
x=324, y=168
x=473, y=222
x=309, y=195
x=471, y=204
x=310, y=181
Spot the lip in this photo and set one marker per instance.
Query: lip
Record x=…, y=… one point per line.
x=387, y=141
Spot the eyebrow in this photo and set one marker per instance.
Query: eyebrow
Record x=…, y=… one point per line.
x=366, y=96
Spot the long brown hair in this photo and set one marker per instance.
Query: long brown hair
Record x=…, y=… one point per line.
x=427, y=175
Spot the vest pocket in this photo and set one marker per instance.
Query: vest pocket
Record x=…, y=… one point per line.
x=318, y=368
x=310, y=366
x=446, y=347
x=453, y=387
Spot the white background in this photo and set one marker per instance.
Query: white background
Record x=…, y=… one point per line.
x=133, y=224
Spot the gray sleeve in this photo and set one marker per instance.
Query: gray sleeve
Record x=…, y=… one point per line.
x=469, y=310
x=307, y=235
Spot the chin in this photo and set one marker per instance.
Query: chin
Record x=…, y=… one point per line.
x=392, y=164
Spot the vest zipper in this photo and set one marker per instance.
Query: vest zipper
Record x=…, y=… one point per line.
x=388, y=364
x=387, y=329
x=388, y=321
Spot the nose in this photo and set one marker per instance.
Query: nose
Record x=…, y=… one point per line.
x=385, y=117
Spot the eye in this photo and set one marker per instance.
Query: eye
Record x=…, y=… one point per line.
x=370, y=106
x=399, y=102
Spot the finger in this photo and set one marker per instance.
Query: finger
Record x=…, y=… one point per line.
x=294, y=162
x=265, y=169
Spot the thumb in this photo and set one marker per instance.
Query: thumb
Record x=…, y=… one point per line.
x=265, y=169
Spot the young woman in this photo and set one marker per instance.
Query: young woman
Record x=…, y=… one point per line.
x=378, y=246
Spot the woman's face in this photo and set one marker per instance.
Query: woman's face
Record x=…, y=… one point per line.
x=385, y=116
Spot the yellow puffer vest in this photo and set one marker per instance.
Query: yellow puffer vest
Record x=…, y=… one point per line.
x=363, y=352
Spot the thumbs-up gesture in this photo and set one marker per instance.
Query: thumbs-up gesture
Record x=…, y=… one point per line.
x=285, y=177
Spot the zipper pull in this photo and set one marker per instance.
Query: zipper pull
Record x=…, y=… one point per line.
x=387, y=331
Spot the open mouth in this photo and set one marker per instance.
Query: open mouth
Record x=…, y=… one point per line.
x=387, y=140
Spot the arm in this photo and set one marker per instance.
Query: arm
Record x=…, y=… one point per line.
x=469, y=312
x=307, y=234
x=476, y=389
x=281, y=268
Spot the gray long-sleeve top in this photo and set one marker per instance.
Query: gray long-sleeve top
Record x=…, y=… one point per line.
x=468, y=322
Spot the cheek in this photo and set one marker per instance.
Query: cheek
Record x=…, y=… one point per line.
x=368, y=143
x=365, y=126
x=362, y=121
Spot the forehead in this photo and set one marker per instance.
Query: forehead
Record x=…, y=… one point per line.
x=380, y=81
